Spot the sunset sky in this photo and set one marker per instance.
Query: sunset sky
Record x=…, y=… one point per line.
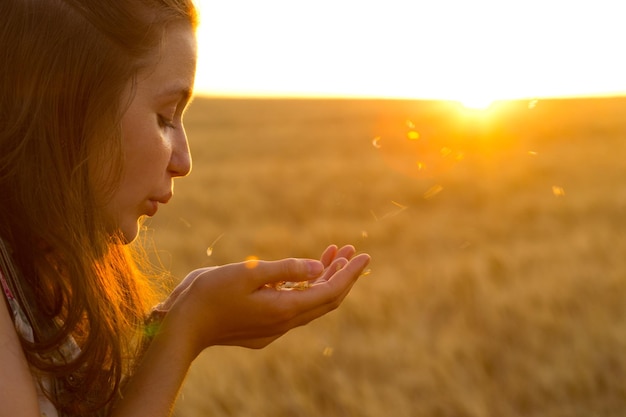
x=471, y=51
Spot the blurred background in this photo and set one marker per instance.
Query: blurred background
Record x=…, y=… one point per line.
x=474, y=149
x=473, y=51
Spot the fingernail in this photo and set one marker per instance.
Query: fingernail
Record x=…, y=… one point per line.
x=315, y=268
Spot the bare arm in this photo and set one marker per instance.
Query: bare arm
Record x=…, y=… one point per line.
x=18, y=395
x=231, y=306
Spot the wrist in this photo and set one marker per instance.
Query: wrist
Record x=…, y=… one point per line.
x=172, y=329
x=153, y=321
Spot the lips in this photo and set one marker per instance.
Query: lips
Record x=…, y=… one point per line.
x=164, y=198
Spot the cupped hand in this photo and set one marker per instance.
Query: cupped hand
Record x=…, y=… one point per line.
x=238, y=304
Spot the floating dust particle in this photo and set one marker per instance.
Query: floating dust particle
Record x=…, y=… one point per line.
x=433, y=191
x=364, y=234
x=400, y=209
x=366, y=272
x=532, y=104
x=412, y=135
x=251, y=261
x=410, y=124
x=184, y=221
x=376, y=142
x=402, y=206
x=445, y=151
x=209, y=250
x=420, y=166
x=328, y=352
x=558, y=191
x=532, y=153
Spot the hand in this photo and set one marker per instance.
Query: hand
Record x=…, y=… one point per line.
x=233, y=305
x=181, y=287
x=328, y=256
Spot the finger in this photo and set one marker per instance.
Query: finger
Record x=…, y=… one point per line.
x=336, y=265
x=341, y=282
x=346, y=251
x=297, y=308
x=339, y=279
x=352, y=268
x=321, y=299
x=341, y=260
x=329, y=254
x=332, y=252
x=264, y=272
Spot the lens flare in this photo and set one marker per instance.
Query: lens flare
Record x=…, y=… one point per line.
x=251, y=261
x=558, y=191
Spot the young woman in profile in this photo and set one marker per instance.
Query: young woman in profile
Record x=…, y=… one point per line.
x=92, y=95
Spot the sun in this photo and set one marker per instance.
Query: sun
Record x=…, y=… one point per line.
x=476, y=103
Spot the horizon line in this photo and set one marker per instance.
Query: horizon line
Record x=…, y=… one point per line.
x=284, y=96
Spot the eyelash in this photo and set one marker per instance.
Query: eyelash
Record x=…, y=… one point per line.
x=165, y=122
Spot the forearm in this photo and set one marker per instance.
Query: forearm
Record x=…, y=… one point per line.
x=231, y=305
x=153, y=388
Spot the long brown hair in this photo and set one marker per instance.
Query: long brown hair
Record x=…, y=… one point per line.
x=64, y=68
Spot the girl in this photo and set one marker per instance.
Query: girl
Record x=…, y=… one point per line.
x=91, y=137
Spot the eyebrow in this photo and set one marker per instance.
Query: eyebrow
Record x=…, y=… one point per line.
x=183, y=93
x=183, y=96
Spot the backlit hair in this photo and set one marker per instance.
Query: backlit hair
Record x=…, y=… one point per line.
x=65, y=66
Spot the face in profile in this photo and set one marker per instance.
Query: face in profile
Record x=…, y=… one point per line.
x=154, y=143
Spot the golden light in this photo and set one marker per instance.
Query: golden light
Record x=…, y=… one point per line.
x=413, y=135
x=558, y=191
x=476, y=103
x=454, y=59
x=251, y=261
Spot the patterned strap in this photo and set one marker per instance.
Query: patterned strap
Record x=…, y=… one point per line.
x=7, y=271
x=5, y=287
x=11, y=286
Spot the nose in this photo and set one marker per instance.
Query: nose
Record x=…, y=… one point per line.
x=180, y=160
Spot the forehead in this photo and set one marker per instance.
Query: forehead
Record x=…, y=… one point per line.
x=174, y=64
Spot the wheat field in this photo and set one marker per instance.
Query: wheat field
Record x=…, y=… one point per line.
x=498, y=244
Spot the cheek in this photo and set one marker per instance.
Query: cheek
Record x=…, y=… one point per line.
x=149, y=155
x=105, y=168
x=143, y=145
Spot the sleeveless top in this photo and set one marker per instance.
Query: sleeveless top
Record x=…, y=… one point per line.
x=23, y=327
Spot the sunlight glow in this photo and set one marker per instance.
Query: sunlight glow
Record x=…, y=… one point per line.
x=251, y=261
x=476, y=103
x=413, y=135
x=473, y=52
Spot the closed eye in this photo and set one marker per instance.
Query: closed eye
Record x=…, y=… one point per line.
x=164, y=122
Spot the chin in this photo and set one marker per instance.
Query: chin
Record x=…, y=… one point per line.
x=129, y=232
